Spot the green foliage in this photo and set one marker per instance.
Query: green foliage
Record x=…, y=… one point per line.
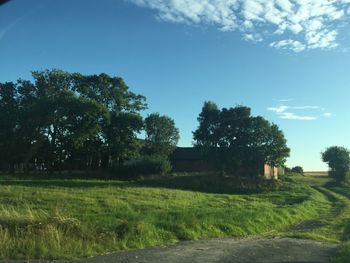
x=215, y=183
x=290, y=174
x=143, y=167
x=161, y=135
x=343, y=255
x=297, y=169
x=338, y=160
x=51, y=219
x=68, y=121
x=9, y=115
x=232, y=138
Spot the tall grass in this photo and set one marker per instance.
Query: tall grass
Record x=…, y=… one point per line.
x=51, y=219
x=332, y=224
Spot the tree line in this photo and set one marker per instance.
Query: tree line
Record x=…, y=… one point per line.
x=232, y=138
x=69, y=121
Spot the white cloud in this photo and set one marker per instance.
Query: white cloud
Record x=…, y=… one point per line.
x=294, y=45
x=279, y=109
x=327, y=115
x=253, y=37
x=293, y=116
x=296, y=25
x=305, y=108
x=293, y=112
x=285, y=100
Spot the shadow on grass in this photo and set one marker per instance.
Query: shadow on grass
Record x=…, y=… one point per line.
x=308, y=225
x=346, y=232
x=63, y=182
x=213, y=183
x=207, y=183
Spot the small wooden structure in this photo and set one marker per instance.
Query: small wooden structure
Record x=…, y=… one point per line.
x=270, y=172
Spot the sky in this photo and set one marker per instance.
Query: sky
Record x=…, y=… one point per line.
x=289, y=60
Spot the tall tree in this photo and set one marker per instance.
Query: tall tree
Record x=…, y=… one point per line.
x=121, y=121
x=206, y=135
x=9, y=125
x=276, y=147
x=162, y=135
x=232, y=138
x=62, y=119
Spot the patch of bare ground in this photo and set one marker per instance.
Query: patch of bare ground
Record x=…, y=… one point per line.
x=253, y=249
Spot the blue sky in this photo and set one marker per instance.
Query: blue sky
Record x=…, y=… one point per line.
x=286, y=59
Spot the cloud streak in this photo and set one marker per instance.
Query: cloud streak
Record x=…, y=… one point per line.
x=6, y=29
x=296, y=25
x=293, y=112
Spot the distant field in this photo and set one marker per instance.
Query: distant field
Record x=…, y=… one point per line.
x=57, y=219
x=313, y=173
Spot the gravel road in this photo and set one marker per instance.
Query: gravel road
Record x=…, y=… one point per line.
x=258, y=250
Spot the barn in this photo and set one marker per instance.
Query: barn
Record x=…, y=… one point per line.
x=190, y=159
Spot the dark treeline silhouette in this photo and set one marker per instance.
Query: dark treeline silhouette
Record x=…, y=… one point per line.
x=69, y=121
x=64, y=121
x=232, y=139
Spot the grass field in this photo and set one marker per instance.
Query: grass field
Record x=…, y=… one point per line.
x=53, y=219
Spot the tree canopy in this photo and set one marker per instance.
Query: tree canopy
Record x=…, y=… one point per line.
x=162, y=135
x=232, y=138
x=67, y=120
x=297, y=169
x=338, y=160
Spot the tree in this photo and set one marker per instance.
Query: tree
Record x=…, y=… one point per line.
x=219, y=135
x=62, y=119
x=9, y=125
x=161, y=135
x=232, y=138
x=276, y=149
x=338, y=160
x=206, y=134
x=121, y=121
x=297, y=169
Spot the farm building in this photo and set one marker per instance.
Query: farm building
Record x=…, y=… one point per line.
x=190, y=159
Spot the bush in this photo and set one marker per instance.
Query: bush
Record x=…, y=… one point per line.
x=340, y=176
x=145, y=166
x=338, y=160
x=215, y=183
x=297, y=169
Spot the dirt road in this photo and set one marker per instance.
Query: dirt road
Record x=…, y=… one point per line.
x=258, y=250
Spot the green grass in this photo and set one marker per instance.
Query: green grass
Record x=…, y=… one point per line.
x=333, y=224
x=51, y=219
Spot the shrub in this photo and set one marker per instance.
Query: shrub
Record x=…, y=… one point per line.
x=297, y=169
x=338, y=160
x=145, y=166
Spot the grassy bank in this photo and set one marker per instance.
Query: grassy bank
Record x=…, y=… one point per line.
x=331, y=224
x=341, y=223
x=77, y=218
